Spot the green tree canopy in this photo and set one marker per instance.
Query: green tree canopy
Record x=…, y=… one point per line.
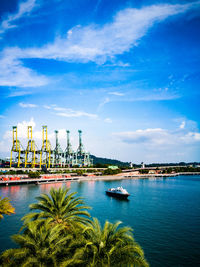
x=39, y=245
x=59, y=207
x=111, y=246
x=60, y=233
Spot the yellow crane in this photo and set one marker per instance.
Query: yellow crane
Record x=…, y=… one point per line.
x=16, y=147
x=30, y=152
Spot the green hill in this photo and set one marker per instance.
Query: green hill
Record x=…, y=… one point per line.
x=105, y=161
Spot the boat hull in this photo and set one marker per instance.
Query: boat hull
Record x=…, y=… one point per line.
x=113, y=194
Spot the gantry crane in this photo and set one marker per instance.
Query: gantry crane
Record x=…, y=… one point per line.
x=45, y=152
x=16, y=147
x=70, y=155
x=82, y=157
x=31, y=150
x=58, y=152
x=46, y=155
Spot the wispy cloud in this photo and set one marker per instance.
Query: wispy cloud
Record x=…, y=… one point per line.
x=24, y=9
x=18, y=92
x=69, y=113
x=117, y=64
x=83, y=44
x=97, y=5
x=27, y=105
x=101, y=43
x=13, y=73
x=138, y=95
x=102, y=103
x=60, y=109
x=154, y=97
x=116, y=93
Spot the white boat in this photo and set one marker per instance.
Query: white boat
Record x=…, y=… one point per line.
x=118, y=192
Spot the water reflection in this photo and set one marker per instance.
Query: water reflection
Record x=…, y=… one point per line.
x=118, y=199
x=14, y=192
x=47, y=186
x=15, y=189
x=68, y=184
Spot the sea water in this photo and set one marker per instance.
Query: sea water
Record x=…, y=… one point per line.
x=164, y=213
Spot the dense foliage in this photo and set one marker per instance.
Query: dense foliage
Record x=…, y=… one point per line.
x=34, y=174
x=111, y=172
x=104, y=162
x=5, y=207
x=60, y=233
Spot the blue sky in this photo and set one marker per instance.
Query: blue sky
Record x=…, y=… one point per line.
x=125, y=72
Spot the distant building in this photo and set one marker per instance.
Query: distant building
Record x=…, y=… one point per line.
x=143, y=165
x=113, y=167
x=152, y=172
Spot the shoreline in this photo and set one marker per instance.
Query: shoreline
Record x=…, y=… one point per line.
x=139, y=176
x=38, y=181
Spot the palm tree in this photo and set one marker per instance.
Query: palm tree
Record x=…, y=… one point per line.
x=59, y=208
x=6, y=207
x=110, y=246
x=39, y=245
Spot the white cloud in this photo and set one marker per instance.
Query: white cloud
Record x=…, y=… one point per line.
x=105, y=101
x=22, y=135
x=108, y=120
x=69, y=113
x=26, y=105
x=22, y=127
x=136, y=95
x=83, y=44
x=59, y=109
x=182, y=126
x=116, y=93
x=117, y=64
x=153, y=136
x=16, y=92
x=24, y=9
x=154, y=97
x=101, y=43
x=13, y=73
x=62, y=134
x=191, y=137
x=158, y=137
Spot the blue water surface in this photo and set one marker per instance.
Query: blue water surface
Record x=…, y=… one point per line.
x=164, y=213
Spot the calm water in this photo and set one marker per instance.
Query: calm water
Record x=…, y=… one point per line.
x=164, y=213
